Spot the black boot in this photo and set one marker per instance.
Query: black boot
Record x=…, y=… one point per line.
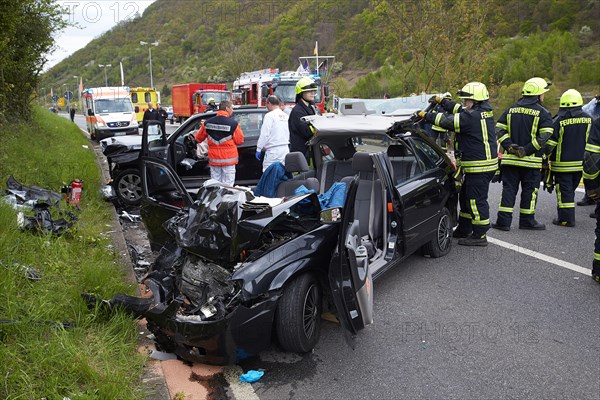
x=586, y=201
x=556, y=221
x=474, y=241
x=533, y=226
x=505, y=228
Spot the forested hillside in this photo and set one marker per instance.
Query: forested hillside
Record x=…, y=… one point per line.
x=380, y=45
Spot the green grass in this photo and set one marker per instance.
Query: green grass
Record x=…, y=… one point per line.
x=97, y=359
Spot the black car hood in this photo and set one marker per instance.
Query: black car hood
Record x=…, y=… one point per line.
x=224, y=221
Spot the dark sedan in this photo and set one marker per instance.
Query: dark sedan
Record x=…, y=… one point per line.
x=181, y=152
x=239, y=269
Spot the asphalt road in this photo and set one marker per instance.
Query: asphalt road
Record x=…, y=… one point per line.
x=493, y=323
x=80, y=121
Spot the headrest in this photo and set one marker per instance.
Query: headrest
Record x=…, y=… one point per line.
x=361, y=162
x=397, y=150
x=345, y=152
x=295, y=162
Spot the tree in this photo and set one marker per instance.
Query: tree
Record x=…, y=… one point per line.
x=25, y=43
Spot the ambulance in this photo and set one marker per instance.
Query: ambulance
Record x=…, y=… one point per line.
x=140, y=97
x=109, y=112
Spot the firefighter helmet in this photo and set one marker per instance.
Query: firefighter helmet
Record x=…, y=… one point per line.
x=305, y=85
x=211, y=100
x=571, y=98
x=535, y=87
x=474, y=91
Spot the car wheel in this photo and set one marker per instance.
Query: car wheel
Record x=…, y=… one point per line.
x=128, y=186
x=298, y=319
x=441, y=244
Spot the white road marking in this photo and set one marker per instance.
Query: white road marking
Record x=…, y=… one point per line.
x=240, y=390
x=540, y=256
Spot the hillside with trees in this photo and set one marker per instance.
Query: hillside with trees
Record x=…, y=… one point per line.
x=380, y=45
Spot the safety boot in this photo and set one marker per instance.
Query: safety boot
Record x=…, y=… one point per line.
x=556, y=221
x=505, y=228
x=533, y=226
x=586, y=201
x=596, y=277
x=473, y=240
x=460, y=235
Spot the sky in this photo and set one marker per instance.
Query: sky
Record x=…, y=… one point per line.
x=92, y=19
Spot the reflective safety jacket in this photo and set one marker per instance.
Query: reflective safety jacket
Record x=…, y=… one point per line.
x=474, y=130
x=527, y=124
x=591, y=158
x=567, y=143
x=223, y=134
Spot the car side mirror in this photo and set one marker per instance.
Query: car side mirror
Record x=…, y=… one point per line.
x=90, y=112
x=331, y=215
x=137, y=109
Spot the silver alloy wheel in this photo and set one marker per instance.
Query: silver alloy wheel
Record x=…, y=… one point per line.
x=311, y=309
x=129, y=187
x=444, y=233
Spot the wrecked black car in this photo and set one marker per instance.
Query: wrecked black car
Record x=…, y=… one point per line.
x=184, y=156
x=239, y=270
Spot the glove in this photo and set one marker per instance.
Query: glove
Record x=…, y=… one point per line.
x=435, y=99
x=258, y=155
x=516, y=150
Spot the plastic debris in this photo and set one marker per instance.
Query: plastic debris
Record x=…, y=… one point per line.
x=130, y=217
x=251, y=376
x=162, y=356
x=27, y=271
x=108, y=192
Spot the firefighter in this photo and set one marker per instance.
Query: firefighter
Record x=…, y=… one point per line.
x=591, y=180
x=300, y=133
x=565, y=148
x=473, y=123
x=224, y=134
x=440, y=135
x=522, y=130
x=593, y=110
x=211, y=106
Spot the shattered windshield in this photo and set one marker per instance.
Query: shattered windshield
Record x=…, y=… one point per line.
x=105, y=106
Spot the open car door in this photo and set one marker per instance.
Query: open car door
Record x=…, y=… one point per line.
x=349, y=274
x=163, y=195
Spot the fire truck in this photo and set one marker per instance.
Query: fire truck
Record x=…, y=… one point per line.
x=191, y=98
x=254, y=87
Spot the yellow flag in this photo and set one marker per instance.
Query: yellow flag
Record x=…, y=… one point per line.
x=316, y=51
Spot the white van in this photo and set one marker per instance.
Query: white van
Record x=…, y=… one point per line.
x=109, y=112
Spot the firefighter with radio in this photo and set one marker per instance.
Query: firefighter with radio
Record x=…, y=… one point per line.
x=300, y=132
x=522, y=131
x=591, y=180
x=565, y=149
x=473, y=123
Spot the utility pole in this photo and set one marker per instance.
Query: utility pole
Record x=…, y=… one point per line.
x=150, y=58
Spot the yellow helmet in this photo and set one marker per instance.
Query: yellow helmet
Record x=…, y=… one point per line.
x=305, y=84
x=535, y=87
x=571, y=98
x=474, y=91
x=211, y=100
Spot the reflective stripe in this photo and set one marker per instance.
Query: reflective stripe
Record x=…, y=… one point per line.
x=438, y=118
x=481, y=222
x=559, y=199
x=217, y=127
x=503, y=137
x=528, y=161
x=465, y=215
x=474, y=210
x=532, y=203
x=590, y=177
x=456, y=108
x=566, y=166
x=534, y=129
x=226, y=138
x=222, y=160
x=592, y=148
x=561, y=132
x=597, y=256
x=506, y=209
x=457, y=123
x=477, y=166
x=501, y=126
x=547, y=130
x=551, y=142
x=486, y=142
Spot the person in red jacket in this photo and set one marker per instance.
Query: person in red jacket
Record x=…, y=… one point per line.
x=224, y=134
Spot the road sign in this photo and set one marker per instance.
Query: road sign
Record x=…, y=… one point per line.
x=68, y=95
x=61, y=102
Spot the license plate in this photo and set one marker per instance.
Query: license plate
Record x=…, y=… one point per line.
x=120, y=133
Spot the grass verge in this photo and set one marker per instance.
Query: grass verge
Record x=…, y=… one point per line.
x=97, y=358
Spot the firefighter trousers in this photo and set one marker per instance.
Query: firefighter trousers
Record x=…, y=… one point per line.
x=596, y=263
x=474, y=216
x=529, y=179
x=565, y=185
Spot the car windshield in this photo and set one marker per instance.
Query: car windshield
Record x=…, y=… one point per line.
x=104, y=106
x=250, y=123
x=287, y=92
x=218, y=96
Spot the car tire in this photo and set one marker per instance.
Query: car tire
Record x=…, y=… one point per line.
x=298, y=319
x=441, y=244
x=128, y=186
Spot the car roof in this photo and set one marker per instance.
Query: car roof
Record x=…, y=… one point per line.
x=338, y=126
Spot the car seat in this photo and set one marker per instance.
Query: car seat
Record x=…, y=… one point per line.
x=296, y=162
